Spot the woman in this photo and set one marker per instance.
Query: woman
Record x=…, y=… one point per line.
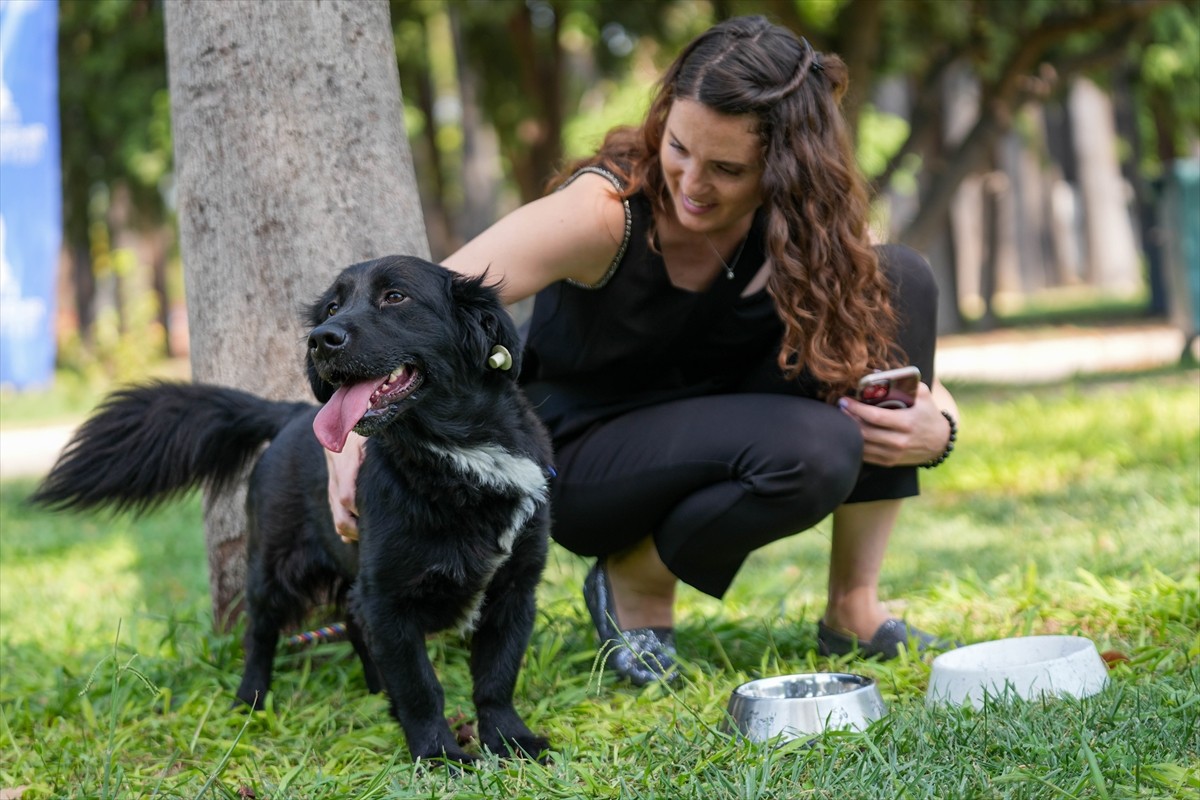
x=707, y=299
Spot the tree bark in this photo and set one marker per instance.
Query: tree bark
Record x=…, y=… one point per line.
x=1112, y=260
x=291, y=162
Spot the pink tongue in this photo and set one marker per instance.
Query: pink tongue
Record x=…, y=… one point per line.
x=343, y=411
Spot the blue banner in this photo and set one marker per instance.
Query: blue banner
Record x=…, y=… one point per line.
x=30, y=190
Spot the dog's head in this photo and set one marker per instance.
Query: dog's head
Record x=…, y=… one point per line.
x=393, y=332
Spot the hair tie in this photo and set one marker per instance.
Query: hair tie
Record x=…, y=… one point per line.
x=808, y=64
x=815, y=64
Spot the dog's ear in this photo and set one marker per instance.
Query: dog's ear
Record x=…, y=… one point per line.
x=485, y=322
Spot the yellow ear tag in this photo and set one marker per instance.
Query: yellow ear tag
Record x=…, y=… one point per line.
x=500, y=358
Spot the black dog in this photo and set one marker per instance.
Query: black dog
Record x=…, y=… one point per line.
x=452, y=494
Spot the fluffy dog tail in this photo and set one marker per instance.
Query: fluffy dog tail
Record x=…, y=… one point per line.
x=146, y=445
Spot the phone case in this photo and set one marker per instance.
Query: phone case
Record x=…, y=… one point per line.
x=894, y=388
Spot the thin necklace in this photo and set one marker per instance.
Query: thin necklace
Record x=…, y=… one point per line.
x=729, y=267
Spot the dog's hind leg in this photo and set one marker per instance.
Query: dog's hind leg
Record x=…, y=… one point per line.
x=268, y=609
x=357, y=637
x=260, y=643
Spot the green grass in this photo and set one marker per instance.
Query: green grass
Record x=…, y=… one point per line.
x=1068, y=306
x=1067, y=509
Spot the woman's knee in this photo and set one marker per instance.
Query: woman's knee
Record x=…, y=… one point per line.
x=815, y=453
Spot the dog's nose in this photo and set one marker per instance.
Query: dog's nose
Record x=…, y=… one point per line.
x=328, y=339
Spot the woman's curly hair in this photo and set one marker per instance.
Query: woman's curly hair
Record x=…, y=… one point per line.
x=825, y=278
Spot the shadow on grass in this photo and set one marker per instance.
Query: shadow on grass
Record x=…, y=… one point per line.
x=157, y=561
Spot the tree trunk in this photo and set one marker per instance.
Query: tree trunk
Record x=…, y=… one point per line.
x=291, y=162
x=481, y=176
x=431, y=174
x=967, y=219
x=994, y=187
x=1023, y=157
x=156, y=245
x=953, y=244
x=1112, y=257
x=539, y=65
x=1002, y=96
x=83, y=291
x=1145, y=196
x=858, y=45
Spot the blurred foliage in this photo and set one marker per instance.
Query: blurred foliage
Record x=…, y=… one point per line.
x=552, y=75
x=511, y=89
x=115, y=111
x=1169, y=72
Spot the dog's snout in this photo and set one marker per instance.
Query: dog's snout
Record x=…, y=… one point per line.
x=327, y=340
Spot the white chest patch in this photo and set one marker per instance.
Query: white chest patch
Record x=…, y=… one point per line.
x=494, y=467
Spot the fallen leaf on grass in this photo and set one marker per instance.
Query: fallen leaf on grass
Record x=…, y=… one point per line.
x=464, y=731
x=12, y=794
x=1113, y=657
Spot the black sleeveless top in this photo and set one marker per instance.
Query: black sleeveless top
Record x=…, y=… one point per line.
x=634, y=339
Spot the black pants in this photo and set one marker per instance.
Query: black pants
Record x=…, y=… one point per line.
x=713, y=478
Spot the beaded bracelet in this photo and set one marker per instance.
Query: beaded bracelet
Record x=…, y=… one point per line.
x=949, y=444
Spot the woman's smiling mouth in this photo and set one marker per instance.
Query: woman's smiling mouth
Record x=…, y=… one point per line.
x=693, y=206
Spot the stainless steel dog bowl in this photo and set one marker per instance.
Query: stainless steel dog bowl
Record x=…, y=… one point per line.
x=794, y=706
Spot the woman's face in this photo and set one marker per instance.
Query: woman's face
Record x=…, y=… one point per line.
x=712, y=164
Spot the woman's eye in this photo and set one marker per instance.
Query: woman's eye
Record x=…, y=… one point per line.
x=394, y=297
x=331, y=309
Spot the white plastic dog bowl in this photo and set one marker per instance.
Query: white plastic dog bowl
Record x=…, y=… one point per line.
x=794, y=706
x=1028, y=667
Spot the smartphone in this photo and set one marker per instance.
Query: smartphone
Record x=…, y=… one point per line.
x=893, y=388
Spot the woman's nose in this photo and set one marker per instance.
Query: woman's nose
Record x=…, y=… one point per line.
x=692, y=180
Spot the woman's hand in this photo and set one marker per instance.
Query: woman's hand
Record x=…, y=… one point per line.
x=895, y=437
x=343, y=479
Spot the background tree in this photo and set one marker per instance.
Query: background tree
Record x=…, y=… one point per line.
x=987, y=62
x=496, y=85
x=502, y=92
x=291, y=161
x=1016, y=48
x=116, y=153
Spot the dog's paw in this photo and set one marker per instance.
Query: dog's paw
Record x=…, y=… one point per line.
x=255, y=698
x=528, y=745
x=454, y=760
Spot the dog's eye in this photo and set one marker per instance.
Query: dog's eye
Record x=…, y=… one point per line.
x=393, y=297
x=331, y=309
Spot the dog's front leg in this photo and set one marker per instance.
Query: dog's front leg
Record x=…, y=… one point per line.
x=417, y=702
x=497, y=649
